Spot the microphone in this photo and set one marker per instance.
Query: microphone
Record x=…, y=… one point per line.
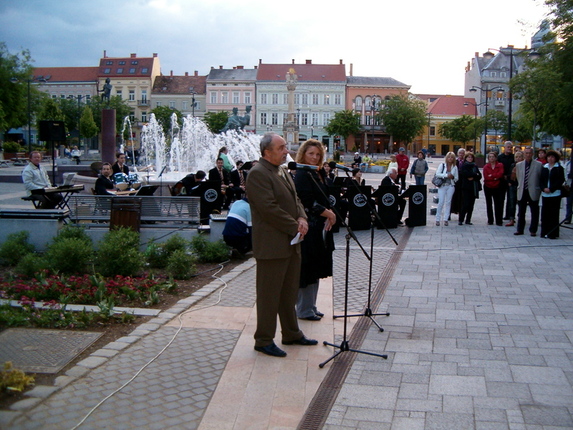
x=340, y=167
x=295, y=166
x=162, y=170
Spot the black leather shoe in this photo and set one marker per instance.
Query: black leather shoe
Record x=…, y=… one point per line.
x=312, y=318
x=518, y=233
x=302, y=341
x=272, y=350
x=320, y=314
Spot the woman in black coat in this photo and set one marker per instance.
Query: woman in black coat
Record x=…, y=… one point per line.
x=318, y=243
x=551, y=182
x=470, y=178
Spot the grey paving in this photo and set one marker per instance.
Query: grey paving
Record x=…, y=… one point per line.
x=480, y=336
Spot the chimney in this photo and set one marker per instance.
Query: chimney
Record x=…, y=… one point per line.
x=293, y=61
x=171, y=74
x=220, y=67
x=186, y=73
x=155, y=55
x=260, y=61
x=341, y=63
x=351, y=69
x=133, y=55
x=196, y=73
x=308, y=61
x=240, y=67
x=104, y=53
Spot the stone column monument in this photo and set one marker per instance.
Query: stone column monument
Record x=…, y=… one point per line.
x=290, y=129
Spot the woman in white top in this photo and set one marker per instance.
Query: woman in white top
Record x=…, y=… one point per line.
x=393, y=163
x=448, y=171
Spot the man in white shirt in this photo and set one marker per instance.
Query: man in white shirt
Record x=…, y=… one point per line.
x=36, y=179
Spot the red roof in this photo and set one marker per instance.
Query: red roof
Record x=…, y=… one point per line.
x=122, y=67
x=307, y=72
x=453, y=105
x=67, y=74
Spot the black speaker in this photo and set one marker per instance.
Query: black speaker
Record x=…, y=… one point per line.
x=52, y=131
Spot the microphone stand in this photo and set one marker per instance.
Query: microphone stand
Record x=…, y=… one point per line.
x=344, y=345
x=161, y=180
x=368, y=310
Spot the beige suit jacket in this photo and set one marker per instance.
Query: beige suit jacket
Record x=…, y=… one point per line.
x=533, y=183
x=275, y=208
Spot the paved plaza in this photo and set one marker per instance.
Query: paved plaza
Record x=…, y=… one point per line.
x=480, y=336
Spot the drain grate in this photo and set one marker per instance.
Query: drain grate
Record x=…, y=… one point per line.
x=43, y=351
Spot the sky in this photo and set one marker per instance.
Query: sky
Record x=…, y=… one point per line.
x=422, y=43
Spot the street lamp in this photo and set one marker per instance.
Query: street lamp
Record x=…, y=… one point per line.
x=485, y=103
x=29, y=82
x=373, y=109
x=193, y=103
x=466, y=104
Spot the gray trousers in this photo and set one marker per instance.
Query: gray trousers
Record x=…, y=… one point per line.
x=306, y=303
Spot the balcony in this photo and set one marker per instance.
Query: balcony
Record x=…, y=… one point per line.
x=499, y=103
x=144, y=102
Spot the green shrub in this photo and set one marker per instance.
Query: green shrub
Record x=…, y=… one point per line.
x=14, y=248
x=175, y=243
x=156, y=256
x=14, y=380
x=118, y=253
x=69, y=255
x=11, y=147
x=30, y=265
x=71, y=231
x=181, y=265
x=209, y=252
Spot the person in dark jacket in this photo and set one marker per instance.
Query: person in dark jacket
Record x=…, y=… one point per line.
x=552, y=178
x=470, y=178
x=103, y=182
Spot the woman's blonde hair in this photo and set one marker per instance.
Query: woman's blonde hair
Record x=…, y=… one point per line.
x=306, y=146
x=450, y=154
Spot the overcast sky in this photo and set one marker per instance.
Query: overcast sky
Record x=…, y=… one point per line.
x=422, y=43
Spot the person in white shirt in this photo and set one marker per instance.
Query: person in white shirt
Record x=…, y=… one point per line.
x=36, y=179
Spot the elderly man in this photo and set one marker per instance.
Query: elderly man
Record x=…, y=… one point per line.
x=528, y=174
x=278, y=218
x=36, y=179
x=390, y=181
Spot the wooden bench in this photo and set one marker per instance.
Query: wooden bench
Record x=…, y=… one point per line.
x=156, y=211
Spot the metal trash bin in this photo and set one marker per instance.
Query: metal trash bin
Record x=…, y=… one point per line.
x=125, y=212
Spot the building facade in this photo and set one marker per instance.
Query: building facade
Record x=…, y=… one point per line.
x=184, y=93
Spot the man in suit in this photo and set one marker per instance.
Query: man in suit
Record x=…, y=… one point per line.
x=528, y=191
x=219, y=174
x=239, y=180
x=119, y=166
x=191, y=182
x=277, y=216
x=390, y=181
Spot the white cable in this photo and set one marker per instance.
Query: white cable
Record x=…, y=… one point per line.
x=160, y=352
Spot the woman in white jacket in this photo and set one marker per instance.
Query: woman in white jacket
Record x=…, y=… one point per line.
x=448, y=171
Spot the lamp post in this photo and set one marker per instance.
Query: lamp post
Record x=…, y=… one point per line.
x=193, y=103
x=466, y=104
x=373, y=120
x=29, y=82
x=485, y=103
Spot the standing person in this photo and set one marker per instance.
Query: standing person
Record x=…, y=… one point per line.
x=419, y=168
x=528, y=191
x=569, y=193
x=238, y=178
x=542, y=156
x=470, y=178
x=448, y=171
x=512, y=189
x=318, y=245
x=552, y=178
x=119, y=166
x=219, y=174
x=457, y=197
x=403, y=162
x=36, y=179
x=393, y=164
x=493, y=189
x=223, y=156
x=508, y=160
x=278, y=218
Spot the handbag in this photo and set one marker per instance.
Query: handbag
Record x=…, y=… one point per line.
x=438, y=182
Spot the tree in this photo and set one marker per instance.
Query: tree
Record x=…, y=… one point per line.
x=404, y=117
x=49, y=111
x=462, y=129
x=163, y=116
x=122, y=109
x=496, y=120
x=216, y=121
x=344, y=123
x=15, y=71
x=88, y=127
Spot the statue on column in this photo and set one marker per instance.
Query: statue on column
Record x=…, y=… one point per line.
x=106, y=92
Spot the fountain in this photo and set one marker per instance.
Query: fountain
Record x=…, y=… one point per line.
x=192, y=147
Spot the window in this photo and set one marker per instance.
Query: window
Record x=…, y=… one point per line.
x=132, y=116
x=305, y=99
x=263, y=118
x=184, y=105
x=143, y=116
x=327, y=99
x=315, y=99
x=119, y=93
x=144, y=70
x=432, y=130
x=121, y=63
x=197, y=105
x=157, y=104
x=337, y=99
x=358, y=103
x=263, y=99
x=248, y=97
x=172, y=105
x=88, y=98
x=303, y=119
x=107, y=70
x=275, y=99
x=285, y=99
x=274, y=118
x=109, y=63
x=134, y=62
x=54, y=97
x=224, y=97
x=120, y=71
x=325, y=118
x=297, y=99
x=131, y=95
x=213, y=95
x=144, y=96
x=132, y=71
x=63, y=96
x=236, y=97
x=367, y=102
x=314, y=119
x=285, y=118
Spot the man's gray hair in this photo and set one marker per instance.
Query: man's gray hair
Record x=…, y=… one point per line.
x=266, y=142
x=391, y=170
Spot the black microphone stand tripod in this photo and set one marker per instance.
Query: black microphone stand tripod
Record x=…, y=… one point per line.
x=344, y=345
x=374, y=215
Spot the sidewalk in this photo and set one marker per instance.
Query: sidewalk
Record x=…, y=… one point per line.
x=480, y=336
